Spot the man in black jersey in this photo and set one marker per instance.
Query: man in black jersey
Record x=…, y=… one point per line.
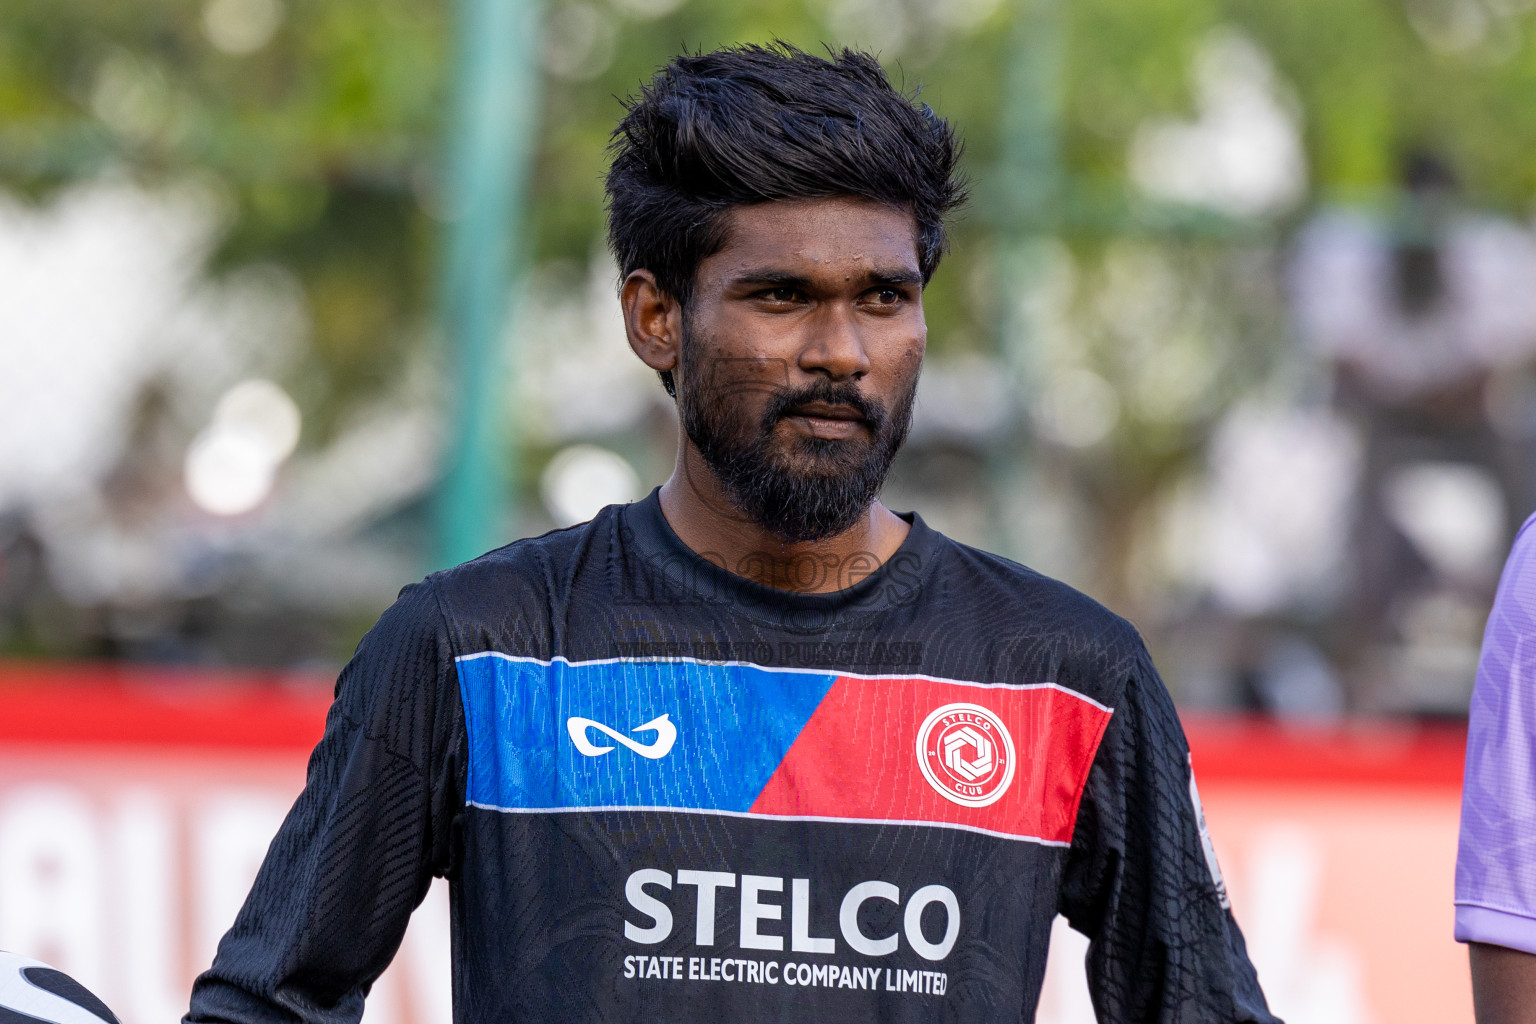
x=755, y=748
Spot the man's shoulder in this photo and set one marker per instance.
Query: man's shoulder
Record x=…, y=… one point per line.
x=521, y=581
x=1029, y=616
x=529, y=554
x=991, y=577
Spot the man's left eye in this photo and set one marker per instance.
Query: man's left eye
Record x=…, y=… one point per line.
x=887, y=296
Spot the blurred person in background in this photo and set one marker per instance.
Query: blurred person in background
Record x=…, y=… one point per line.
x=1427, y=319
x=776, y=216
x=1496, y=857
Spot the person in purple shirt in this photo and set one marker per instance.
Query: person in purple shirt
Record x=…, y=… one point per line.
x=1496, y=857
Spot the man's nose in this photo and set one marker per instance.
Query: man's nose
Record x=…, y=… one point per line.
x=835, y=346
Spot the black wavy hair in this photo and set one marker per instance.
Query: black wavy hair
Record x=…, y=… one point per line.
x=752, y=124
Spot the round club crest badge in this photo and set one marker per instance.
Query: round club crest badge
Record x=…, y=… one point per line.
x=966, y=753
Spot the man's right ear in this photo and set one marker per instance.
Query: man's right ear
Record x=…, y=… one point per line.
x=653, y=322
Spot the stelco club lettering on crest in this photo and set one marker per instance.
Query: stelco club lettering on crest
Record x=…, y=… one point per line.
x=966, y=753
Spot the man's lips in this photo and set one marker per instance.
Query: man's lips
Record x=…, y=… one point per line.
x=823, y=419
x=825, y=411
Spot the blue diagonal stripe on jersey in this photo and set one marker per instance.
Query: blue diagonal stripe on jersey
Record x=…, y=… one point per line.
x=734, y=725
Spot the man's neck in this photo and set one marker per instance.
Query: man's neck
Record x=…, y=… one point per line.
x=698, y=511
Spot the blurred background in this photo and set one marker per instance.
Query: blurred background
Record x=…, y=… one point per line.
x=299, y=302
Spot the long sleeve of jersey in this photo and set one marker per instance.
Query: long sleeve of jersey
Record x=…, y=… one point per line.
x=1141, y=880
x=360, y=846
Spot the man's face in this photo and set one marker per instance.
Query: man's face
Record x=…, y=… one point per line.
x=800, y=356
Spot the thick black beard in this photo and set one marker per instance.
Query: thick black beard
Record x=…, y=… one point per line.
x=821, y=486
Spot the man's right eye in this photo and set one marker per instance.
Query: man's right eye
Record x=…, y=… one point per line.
x=779, y=294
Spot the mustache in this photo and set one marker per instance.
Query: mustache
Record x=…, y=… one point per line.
x=783, y=400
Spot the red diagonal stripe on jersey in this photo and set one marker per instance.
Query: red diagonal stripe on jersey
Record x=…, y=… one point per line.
x=858, y=757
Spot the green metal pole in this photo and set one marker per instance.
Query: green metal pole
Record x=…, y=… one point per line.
x=1028, y=191
x=1031, y=150
x=492, y=133
x=1030, y=169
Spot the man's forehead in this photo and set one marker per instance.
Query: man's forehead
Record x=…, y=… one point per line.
x=844, y=233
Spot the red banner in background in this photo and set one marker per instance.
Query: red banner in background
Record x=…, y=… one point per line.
x=1369, y=753
x=136, y=805
x=129, y=705
x=1340, y=849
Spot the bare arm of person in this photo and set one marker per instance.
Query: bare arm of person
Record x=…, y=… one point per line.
x=1503, y=984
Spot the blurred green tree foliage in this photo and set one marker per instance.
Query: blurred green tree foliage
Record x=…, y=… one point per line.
x=319, y=121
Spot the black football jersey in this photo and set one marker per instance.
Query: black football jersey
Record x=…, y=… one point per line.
x=664, y=793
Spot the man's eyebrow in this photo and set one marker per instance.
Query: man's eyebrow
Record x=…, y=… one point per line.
x=772, y=279
x=895, y=276
x=790, y=279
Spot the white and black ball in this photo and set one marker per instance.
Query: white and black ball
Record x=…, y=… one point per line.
x=31, y=992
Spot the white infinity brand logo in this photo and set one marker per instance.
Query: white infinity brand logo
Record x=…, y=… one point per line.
x=666, y=735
